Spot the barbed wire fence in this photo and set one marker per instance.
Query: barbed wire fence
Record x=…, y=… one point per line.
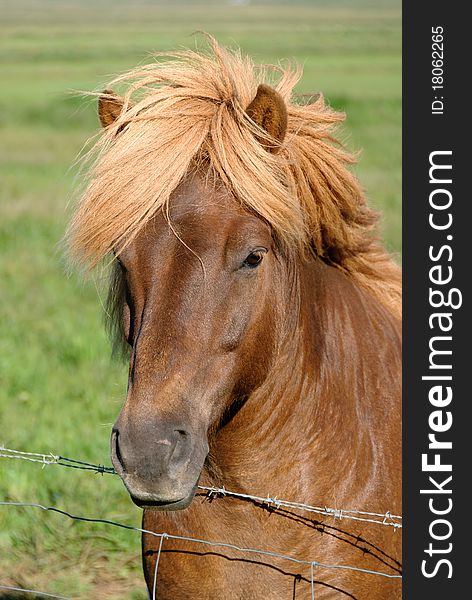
x=380, y=518
x=386, y=518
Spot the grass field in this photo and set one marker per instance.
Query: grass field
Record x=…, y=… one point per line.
x=59, y=390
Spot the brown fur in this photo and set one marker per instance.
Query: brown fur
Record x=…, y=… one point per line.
x=288, y=374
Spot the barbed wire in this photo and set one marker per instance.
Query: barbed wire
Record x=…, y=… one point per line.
x=339, y=513
x=385, y=518
x=52, y=459
x=211, y=492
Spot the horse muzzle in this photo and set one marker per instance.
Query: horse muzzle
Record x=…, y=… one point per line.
x=160, y=467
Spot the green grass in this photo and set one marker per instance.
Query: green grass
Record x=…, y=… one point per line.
x=59, y=390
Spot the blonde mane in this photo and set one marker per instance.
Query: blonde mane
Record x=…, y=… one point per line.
x=188, y=108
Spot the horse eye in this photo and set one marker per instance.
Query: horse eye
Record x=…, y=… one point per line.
x=253, y=259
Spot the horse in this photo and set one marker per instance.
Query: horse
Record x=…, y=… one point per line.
x=260, y=315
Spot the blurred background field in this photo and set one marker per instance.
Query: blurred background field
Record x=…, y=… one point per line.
x=59, y=389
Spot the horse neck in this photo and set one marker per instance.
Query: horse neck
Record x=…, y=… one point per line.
x=317, y=405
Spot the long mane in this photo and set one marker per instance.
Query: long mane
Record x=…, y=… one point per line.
x=186, y=110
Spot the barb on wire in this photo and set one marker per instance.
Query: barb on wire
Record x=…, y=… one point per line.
x=35, y=592
x=78, y=464
x=199, y=541
x=384, y=518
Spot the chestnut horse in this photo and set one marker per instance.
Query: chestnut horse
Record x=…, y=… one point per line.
x=262, y=320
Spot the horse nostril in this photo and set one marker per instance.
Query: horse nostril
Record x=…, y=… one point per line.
x=115, y=450
x=181, y=432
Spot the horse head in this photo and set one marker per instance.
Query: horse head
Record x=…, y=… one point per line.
x=222, y=201
x=199, y=310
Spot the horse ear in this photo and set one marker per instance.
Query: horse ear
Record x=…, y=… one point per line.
x=109, y=107
x=268, y=110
